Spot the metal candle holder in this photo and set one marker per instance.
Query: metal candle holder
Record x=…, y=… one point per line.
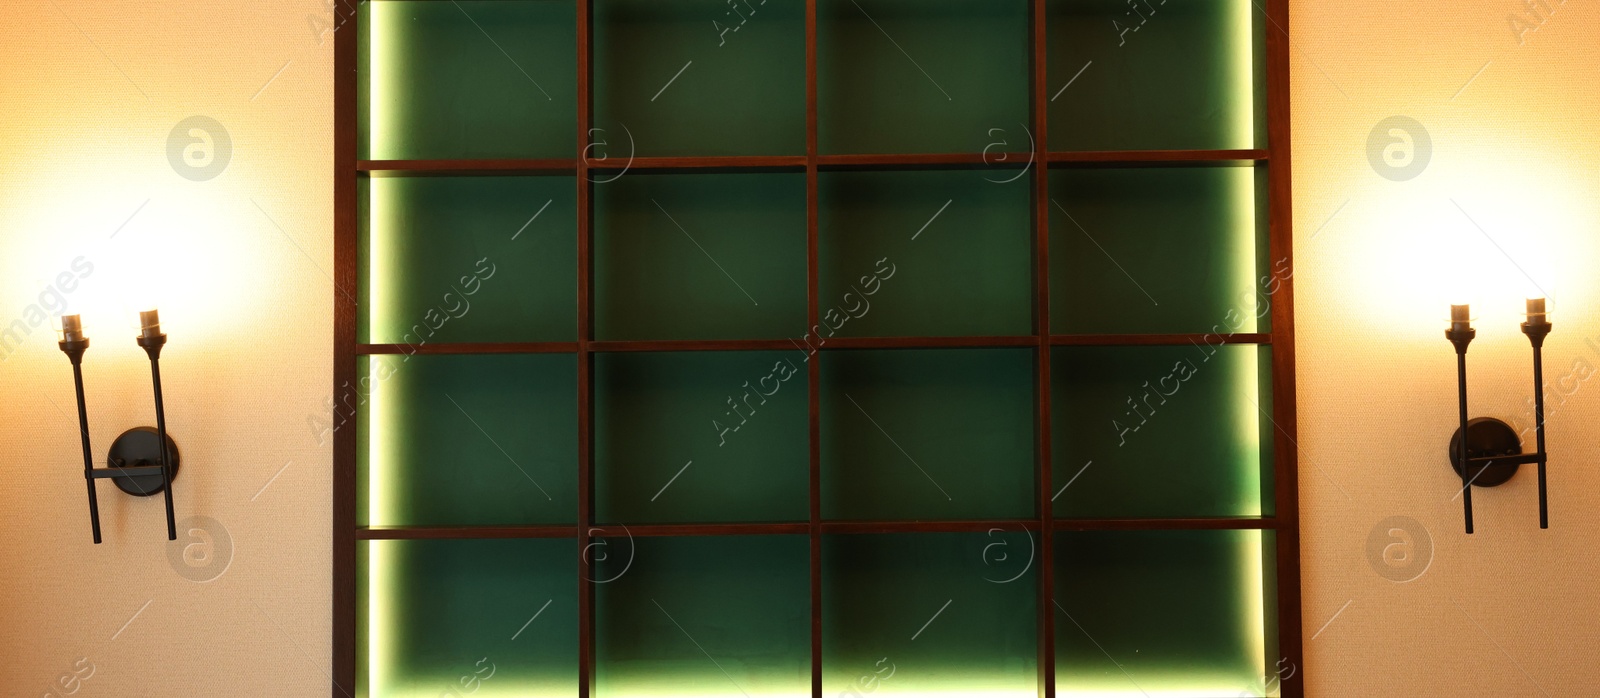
x=1485, y=451
x=139, y=465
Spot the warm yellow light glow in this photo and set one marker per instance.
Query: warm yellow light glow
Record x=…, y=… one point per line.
x=378, y=263
x=379, y=573
x=1243, y=284
x=1241, y=38
x=1489, y=233
x=1248, y=416
x=1255, y=605
x=380, y=565
x=380, y=497
x=385, y=20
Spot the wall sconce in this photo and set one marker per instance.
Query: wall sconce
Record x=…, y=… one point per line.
x=138, y=465
x=1486, y=451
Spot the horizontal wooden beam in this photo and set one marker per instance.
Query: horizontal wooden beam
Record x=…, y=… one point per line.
x=833, y=343
x=797, y=163
x=1241, y=523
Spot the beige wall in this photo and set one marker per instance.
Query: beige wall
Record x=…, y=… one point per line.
x=91, y=92
x=1511, y=610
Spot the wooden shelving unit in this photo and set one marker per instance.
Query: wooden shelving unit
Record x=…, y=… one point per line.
x=358, y=339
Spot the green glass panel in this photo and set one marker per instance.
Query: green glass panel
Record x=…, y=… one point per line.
x=700, y=77
x=1150, y=613
x=490, y=618
x=459, y=440
x=687, y=437
x=934, y=434
x=700, y=256
x=1151, y=74
x=931, y=614
x=950, y=250
x=922, y=76
x=708, y=617
x=469, y=79
x=1156, y=250
x=471, y=259
x=1159, y=431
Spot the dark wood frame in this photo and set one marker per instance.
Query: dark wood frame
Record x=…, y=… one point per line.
x=1285, y=523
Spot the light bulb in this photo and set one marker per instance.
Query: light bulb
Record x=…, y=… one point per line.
x=69, y=328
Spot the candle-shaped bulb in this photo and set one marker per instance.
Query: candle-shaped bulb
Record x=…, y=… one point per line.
x=1536, y=311
x=1460, y=317
x=149, y=323
x=71, y=328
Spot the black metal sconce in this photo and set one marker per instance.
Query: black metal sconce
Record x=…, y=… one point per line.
x=1486, y=451
x=138, y=464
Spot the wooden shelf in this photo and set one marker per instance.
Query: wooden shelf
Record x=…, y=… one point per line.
x=827, y=344
x=802, y=528
x=470, y=348
x=885, y=527
x=725, y=163
x=467, y=167
x=1132, y=340
x=1241, y=523
x=995, y=159
x=463, y=532
x=1136, y=157
x=695, y=345
x=998, y=160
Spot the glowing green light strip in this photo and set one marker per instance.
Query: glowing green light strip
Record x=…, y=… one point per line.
x=1241, y=36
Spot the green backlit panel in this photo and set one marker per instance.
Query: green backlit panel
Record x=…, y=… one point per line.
x=931, y=614
x=700, y=256
x=922, y=76
x=1189, y=444
x=471, y=259
x=1156, y=250
x=910, y=434
x=1154, y=74
x=469, y=79
x=490, y=618
x=686, y=437
x=708, y=617
x=700, y=77
x=934, y=253
x=1160, y=613
x=478, y=440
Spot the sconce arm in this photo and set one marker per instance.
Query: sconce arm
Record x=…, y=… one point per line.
x=130, y=471
x=152, y=341
x=1536, y=331
x=74, y=349
x=1519, y=459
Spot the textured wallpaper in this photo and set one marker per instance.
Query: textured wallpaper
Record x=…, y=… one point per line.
x=180, y=155
x=1445, y=150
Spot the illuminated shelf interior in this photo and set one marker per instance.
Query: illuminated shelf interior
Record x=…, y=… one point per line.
x=488, y=417
x=1179, y=613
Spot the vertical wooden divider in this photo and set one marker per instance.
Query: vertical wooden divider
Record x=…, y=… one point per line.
x=813, y=365
x=586, y=642
x=345, y=227
x=1041, y=324
x=1286, y=467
